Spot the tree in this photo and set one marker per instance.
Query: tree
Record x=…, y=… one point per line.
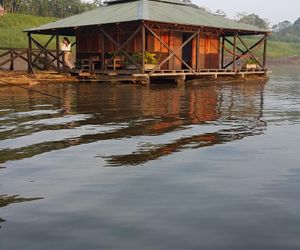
x=296, y=24
x=286, y=31
x=252, y=19
x=282, y=26
x=54, y=8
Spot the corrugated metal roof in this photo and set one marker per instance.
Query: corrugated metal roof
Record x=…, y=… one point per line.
x=167, y=11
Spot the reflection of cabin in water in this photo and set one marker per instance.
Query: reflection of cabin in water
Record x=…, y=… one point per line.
x=117, y=42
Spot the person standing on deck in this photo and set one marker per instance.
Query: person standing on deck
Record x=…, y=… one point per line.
x=2, y=11
x=65, y=46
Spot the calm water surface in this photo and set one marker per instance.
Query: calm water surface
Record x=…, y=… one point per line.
x=131, y=167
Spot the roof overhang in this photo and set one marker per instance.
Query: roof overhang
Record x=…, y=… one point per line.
x=72, y=31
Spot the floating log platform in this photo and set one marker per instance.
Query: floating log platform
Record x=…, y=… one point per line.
x=175, y=75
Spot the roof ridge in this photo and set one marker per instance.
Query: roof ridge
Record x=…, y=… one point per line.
x=142, y=10
x=177, y=2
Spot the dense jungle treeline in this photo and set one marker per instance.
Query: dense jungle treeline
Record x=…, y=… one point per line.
x=48, y=8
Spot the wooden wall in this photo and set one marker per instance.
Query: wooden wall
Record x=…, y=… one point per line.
x=89, y=44
x=209, y=49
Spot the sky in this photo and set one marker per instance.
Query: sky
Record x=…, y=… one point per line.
x=272, y=10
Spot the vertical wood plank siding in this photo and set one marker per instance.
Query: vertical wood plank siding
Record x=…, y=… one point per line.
x=89, y=44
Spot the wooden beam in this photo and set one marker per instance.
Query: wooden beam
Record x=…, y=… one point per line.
x=102, y=53
x=57, y=48
x=130, y=38
x=198, y=51
x=174, y=52
x=43, y=48
x=143, y=47
x=11, y=67
x=29, y=54
x=5, y=53
x=234, y=51
x=51, y=65
x=12, y=58
x=170, y=50
x=119, y=46
x=253, y=48
x=250, y=52
x=265, y=51
x=222, y=53
x=237, y=47
x=20, y=54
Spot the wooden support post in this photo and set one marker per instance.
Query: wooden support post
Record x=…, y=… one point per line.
x=251, y=53
x=222, y=53
x=102, y=53
x=120, y=47
x=234, y=52
x=180, y=80
x=172, y=53
x=198, y=51
x=11, y=60
x=57, y=51
x=15, y=55
x=143, y=47
x=265, y=51
x=29, y=54
x=43, y=50
x=64, y=62
x=253, y=48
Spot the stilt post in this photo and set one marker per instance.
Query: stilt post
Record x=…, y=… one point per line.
x=29, y=54
x=265, y=51
x=143, y=47
x=57, y=51
x=11, y=60
x=222, y=52
x=234, y=52
x=198, y=51
x=102, y=53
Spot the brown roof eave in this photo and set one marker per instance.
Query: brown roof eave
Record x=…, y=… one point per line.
x=70, y=31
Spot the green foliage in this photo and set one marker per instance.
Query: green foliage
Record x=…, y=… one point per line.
x=12, y=26
x=252, y=19
x=149, y=57
x=282, y=49
x=286, y=31
x=296, y=25
x=48, y=8
x=250, y=60
x=276, y=49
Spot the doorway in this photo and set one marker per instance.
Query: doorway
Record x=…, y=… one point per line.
x=187, y=51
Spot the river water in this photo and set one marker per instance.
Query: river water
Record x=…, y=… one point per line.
x=95, y=166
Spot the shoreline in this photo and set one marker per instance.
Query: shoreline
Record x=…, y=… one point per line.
x=22, y=77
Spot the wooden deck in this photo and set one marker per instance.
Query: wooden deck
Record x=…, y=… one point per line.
x=136, y=77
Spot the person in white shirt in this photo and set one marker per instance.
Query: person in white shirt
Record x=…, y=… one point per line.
x=65, y=46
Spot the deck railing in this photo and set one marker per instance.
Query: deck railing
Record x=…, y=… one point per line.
x=41, y=59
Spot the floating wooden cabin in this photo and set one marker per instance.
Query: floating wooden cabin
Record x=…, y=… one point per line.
x=118, y=41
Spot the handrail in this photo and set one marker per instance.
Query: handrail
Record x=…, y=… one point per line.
x=31, y=56
x=10, y=48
